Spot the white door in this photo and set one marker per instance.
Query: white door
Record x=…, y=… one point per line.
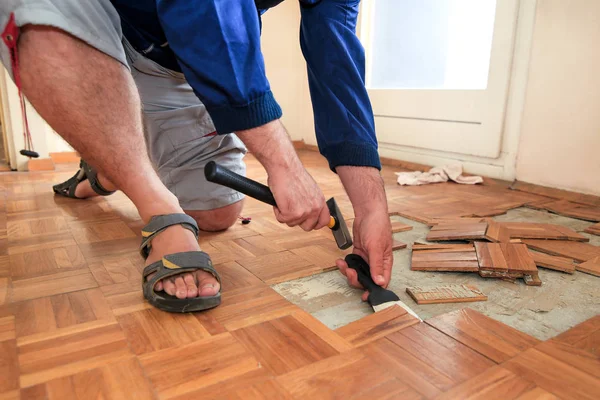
x=438, y=72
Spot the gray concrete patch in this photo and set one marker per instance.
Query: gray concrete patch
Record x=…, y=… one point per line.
x=561, y=302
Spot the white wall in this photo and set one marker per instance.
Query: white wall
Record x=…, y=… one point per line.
x=45, y=140
x=286, y=69
x=560, y=133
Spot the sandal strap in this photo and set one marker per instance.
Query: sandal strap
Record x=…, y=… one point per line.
x=175, y=264
x=159, y=223
x=92, y=176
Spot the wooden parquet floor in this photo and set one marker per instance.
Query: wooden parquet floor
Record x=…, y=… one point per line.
x=74, y=324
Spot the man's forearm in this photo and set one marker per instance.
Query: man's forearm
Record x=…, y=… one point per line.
x=365, y=188
x=271, y=145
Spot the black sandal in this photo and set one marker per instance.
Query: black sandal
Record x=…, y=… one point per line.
x=175, y=264
x=86, y=171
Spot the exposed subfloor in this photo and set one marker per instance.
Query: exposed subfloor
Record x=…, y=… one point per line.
x=561, y=302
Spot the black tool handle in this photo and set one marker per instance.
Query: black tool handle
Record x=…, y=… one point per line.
x=377, y=294
x=218, y=174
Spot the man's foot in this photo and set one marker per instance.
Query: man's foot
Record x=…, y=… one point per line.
x=176, y=239
x=87, y=182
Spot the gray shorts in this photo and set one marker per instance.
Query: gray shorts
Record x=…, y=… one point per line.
x=177, y=125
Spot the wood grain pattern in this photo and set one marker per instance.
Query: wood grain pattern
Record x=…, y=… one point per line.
x=178, y=371
x=457, y=231
x=528, y=230
x=593, y=229
x=574, y=210
x=284, y=344
x=280, y=267
x=46, y=357
x=491, y=257
x=591, y=266
x=449, y=357
x=74, y=322
x=398, y=226
x=495, y=383
x=554, y=375
x=444, y=259
x=553, y=262
x=493, y=339
x=376, y=325
x=358, y=374
x=254, y=385
x=113, y=381
x=580, y=252
x=446, y=294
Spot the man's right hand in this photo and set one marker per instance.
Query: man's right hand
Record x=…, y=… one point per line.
x=300, y=202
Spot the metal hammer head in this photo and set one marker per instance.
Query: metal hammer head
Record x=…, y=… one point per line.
x=338, y=226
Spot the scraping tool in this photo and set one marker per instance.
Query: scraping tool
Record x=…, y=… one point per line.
x=218, y=174
x=379, y=298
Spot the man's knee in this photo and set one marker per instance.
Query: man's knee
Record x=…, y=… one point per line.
x=218, y=219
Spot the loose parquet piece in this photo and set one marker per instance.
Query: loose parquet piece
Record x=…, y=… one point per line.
x=593, y=229
x=284, y=344
x=574, y=210
x=495, y=383
x=553, y=262
x=518, y=258
x=377, y=325
x=496, y=232
x=444, y=259
x=591, y=267
x=493, y=339
x=398, y=245
x=554, y=375
x=528, y=230
x=446, y=294
x=491, y=257
x=398, y=226
x=457, y=231
x=445, y=247
x=580, y=252
x=552, y=194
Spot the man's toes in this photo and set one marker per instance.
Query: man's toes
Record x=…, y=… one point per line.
x=207, y=284
x=190, y=283
x=159, y=286
x=169, y=286
x=180, y=288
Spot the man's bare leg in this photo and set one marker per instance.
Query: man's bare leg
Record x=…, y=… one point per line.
x=90, y=99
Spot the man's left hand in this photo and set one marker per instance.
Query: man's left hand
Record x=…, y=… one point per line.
x=372, y=231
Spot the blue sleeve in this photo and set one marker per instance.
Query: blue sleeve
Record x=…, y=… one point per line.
x=217, y=45
x=335, y=58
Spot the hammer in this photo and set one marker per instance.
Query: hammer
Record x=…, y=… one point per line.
x=218, y=174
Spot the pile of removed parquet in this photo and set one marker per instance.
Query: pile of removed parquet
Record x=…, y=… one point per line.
x=504, y=250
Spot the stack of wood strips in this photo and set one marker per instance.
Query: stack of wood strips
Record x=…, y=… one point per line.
x=505, y=250
x=507, y=261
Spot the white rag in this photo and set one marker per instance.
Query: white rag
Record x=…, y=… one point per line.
x=451, y=172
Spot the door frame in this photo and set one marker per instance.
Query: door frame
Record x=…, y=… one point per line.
x=502, y=164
